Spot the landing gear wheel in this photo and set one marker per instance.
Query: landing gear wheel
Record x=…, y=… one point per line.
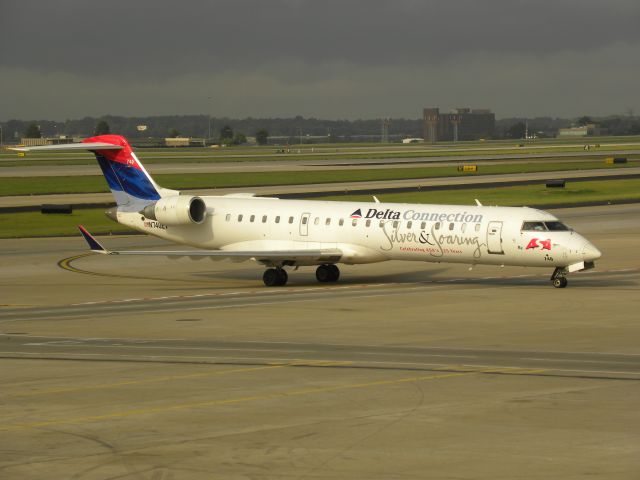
x=274, y=277
x=270, y=277
x=282, y=276
x=335, y=271
x=560, y=282
x=558, y=278
x=327, y=273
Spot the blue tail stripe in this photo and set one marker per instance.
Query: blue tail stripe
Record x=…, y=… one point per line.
x=109, y=174
x=131, y=180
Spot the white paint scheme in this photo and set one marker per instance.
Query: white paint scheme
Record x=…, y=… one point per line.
x=279, y=233
x=495, y=239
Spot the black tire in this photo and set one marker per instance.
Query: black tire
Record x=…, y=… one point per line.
x=335, y=272
x=324, y=274
x=560, y=282
x=270, y=277
x=282, y=276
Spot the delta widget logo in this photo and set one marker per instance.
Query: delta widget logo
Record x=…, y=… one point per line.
x=357, y=214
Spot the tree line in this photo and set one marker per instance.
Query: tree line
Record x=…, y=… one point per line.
x=298, y=129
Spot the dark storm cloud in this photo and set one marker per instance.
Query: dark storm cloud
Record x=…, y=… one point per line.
x=348, y=58
x=160, y=36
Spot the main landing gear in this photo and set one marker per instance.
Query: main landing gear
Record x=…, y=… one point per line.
x=559, y=279
x=277, y=277
x=327, y=273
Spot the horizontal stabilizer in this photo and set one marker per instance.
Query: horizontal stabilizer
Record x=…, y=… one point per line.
x=94, y=245
x=70, y=146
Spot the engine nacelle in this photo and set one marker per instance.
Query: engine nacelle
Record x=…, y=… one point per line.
x=177, y=210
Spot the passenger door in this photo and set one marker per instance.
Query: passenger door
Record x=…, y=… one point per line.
x=494, y=238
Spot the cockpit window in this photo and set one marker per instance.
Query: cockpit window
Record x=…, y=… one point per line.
x=533, y=227
x=557, y=227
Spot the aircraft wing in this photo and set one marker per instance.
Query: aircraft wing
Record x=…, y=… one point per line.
x=315, y=255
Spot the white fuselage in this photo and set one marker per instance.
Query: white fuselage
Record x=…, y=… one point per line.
x=423, y=232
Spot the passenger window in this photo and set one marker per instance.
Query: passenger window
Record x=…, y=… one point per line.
x=354, y=222
x=341, y=222
x=423, y=225
x=464, y=227
x=452, y=226
x=409, y=223
x=252, y=218
x=477, y=227
x=290, y=219
x=316, y=221
x=239, y=218
x=437, y=226
x=381, y=223
x=368, y=222
x=264, y=219
x=533, y=227
x=278, y=219
x=304, y=220
x=395, y=224
x=228, y=217
x=327, y=221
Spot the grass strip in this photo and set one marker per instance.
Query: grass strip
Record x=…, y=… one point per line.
x=538, y=195
x=36, y=224
x=11, y=186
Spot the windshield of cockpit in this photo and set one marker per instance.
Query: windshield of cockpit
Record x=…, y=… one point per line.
x=552, y=226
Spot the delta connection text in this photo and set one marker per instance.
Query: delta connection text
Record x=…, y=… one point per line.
x=389, y=214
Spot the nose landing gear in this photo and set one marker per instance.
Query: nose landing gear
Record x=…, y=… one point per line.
x=559, y=279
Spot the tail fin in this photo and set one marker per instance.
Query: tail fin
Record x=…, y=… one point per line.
x=127, y=178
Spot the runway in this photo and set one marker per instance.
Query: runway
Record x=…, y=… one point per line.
x=131, y=368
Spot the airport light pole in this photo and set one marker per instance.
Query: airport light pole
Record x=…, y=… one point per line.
x=209, y=102
x=0, y=137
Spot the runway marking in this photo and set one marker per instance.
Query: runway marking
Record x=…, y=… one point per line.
x=223, y=402
x=576, y=361
x=221, y=360
x=146, y=381
x=265, y=292
x=65, y=264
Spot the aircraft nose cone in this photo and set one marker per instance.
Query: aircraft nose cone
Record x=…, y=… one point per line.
x=590, y=252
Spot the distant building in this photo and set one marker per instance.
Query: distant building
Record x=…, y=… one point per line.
x=459, y=124
x=588, y=130
x=38, y=142
x=184, y=142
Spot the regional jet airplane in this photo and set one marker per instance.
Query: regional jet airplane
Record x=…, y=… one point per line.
x=292, y=233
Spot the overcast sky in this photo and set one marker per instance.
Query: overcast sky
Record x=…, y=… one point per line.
x=322, y=58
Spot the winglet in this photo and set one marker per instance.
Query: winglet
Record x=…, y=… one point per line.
x=93, y=243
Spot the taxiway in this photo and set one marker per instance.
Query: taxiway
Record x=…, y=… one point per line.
x=137, y=368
